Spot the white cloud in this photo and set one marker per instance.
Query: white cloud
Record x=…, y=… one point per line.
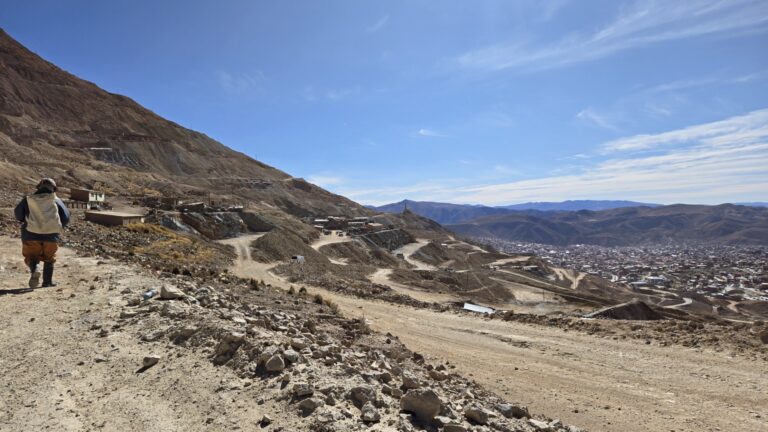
x=746, y=128
x=378, y=25
x=239, y=83
x=431, y=133
x=646, y=22
x=721, y=161
x=589, y=115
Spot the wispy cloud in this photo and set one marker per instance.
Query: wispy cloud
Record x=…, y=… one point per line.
x=239, y=83
x=720, y=161
x=744, y=129
x=589, y=115
x=378, y=25
x=431, y=133
x=646, y=22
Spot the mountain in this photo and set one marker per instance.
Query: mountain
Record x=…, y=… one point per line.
x=576, y=205
x=753, y=204
x=53, y=123
x=445, y=213
x=725, y=223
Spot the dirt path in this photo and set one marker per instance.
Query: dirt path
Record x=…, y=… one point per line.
x=568, y=274
x=244, y=266
x=600, y=384
x=326, y=239
x=60, y=374
x=410, y=249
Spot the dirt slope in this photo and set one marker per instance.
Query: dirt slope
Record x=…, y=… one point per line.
x=598, y=383
x=58, y=374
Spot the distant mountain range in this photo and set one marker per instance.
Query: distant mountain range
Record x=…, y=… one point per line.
x=445, y=213
x=725, y=223
x=616, y=223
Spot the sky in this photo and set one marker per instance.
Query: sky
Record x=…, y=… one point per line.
x=480, y=102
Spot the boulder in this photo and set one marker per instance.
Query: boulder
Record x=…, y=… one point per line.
x=170, y=292
x=512, y=411
x=275, y=364
x=360, y=395
x=369, y=414
x=477, y=414
x=423, y=403
x=308, y=406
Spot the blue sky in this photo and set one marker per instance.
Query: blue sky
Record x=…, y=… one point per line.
x=492, y=102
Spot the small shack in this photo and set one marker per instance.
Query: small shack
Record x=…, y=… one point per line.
x=113, y=218
x=93, y=199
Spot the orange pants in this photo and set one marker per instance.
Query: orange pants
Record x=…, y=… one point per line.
x=34, y=250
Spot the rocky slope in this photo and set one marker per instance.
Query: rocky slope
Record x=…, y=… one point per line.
x=53, y=123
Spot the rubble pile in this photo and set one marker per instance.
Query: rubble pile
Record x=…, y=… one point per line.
x=321, y=371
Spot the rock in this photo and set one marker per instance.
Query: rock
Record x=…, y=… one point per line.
x=454, y=428
x=369, y=413
x=423, y=403
x=477, y=414
x=265, y=421
x=539, y=425
x=291, y=356
x=437, y=376
x=308, y=406
x=512, y=411
x=362, y=394
x=299, y=343
x=169, y=292
x=150, y=361
x=275, y=364
x=410, y=381
x=763, y=336
x=302, y=389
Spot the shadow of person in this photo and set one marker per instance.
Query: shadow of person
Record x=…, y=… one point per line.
x=16, y=291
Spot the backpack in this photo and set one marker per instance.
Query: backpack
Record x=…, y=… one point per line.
x=43, y=217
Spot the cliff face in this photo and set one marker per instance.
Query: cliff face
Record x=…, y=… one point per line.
x=53, y=123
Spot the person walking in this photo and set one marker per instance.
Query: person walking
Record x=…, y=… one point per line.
x=43, y=217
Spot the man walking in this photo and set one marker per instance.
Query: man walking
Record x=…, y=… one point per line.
x=43, y=216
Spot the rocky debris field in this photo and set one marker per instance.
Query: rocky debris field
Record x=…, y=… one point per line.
x=289, y=356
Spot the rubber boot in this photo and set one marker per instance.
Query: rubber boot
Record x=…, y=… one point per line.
x=34, y=275
x=48, y=275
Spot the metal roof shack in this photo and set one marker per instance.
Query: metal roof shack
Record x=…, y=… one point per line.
x=112, y=218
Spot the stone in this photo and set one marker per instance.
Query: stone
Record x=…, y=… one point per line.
x=454, y=428
x=423, y=403
x=369, y=413
x=299, y=343
x=362, y=394
x=291, y=356
x=265, y=421
x=437, y=376
x=477, y=414
x=150, y=361
x=512, y=411
x=275, y=364
x=303, y=389
x=308, y=406
x=170, y=292
x=410, y=381
x=539, y=425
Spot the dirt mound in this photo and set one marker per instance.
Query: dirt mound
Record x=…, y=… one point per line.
x=281, y=245
x=634, y=310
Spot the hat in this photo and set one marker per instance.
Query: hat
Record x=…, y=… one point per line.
x=47, y=183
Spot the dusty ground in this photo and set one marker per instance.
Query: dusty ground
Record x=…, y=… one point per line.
x=59, y=374
x=600, y=384
x=590, y=381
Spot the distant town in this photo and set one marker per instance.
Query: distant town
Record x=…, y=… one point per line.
x=721, y=271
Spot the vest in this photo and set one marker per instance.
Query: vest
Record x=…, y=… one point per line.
x=43, y=217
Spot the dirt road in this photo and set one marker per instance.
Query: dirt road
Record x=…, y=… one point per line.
x=409, y=250
x=60, y=374
x=597, y=383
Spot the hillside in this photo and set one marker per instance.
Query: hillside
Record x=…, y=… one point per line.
x=726, y=223
x=446, y=213
x=55, y=124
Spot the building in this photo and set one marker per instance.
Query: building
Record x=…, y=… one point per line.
x=95, y=199
x=112, y=218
